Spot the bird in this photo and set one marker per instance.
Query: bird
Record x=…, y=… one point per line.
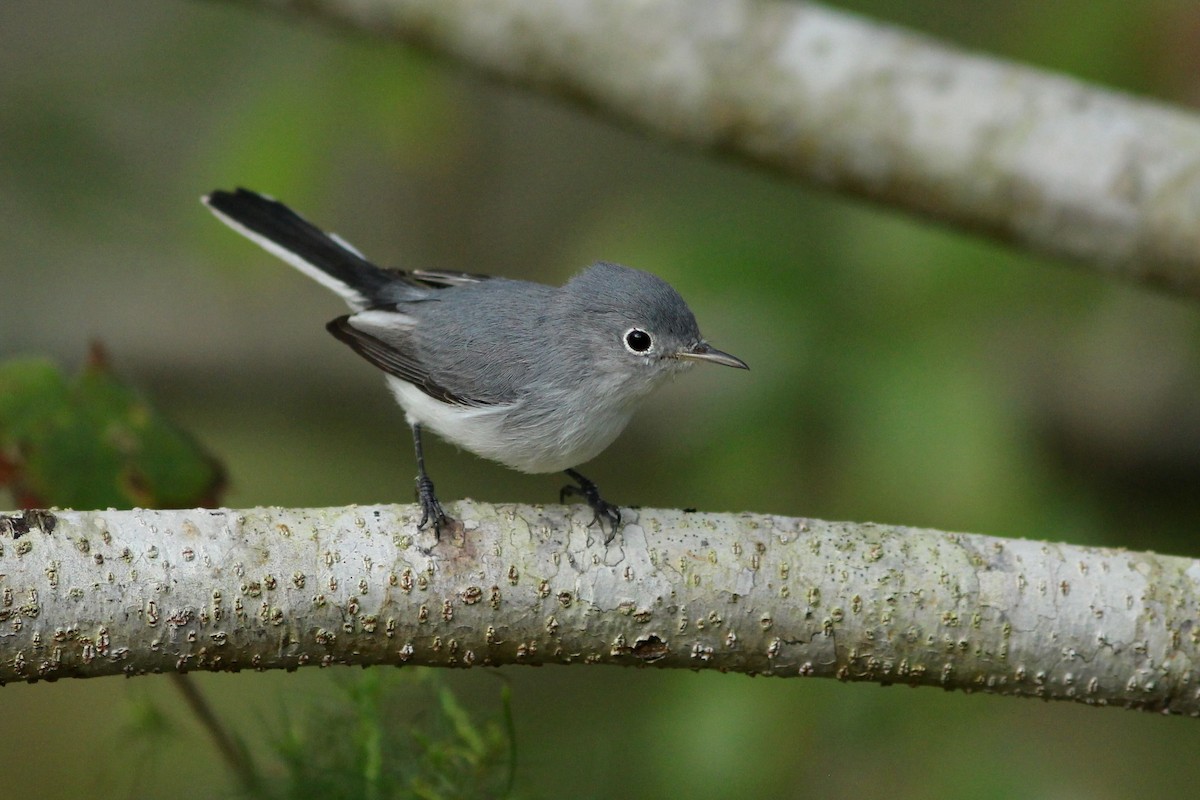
x=538, y=378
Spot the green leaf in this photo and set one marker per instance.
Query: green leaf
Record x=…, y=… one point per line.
x=94, y=442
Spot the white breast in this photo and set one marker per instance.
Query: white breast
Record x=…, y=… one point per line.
x=550, y=441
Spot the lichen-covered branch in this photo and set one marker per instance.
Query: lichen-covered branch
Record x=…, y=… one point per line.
x=89, y=593
x=1040, y=160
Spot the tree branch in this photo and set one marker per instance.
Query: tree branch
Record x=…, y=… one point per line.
x=1040, y=160
x=89, y=593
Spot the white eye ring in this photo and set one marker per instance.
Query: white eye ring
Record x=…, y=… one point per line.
x=638, y=341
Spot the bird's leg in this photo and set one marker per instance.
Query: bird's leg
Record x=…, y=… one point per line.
x=603, y=510
x=431, y=509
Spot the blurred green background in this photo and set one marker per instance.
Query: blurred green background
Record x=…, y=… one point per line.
x=900, y=372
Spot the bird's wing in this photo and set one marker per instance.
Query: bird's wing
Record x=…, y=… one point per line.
x=383, y=337
x=440, y=279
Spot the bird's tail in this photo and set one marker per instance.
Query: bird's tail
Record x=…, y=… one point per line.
x=322, y=256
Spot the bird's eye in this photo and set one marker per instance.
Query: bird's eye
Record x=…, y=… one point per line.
x=638, y=341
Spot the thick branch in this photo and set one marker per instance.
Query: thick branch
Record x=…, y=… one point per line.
x=129, y=592
x=1029, y=157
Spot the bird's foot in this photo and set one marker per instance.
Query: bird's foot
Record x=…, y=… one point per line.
x=431, y=509
x=602, y=510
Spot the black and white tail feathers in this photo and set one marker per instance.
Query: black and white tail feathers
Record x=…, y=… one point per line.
x=322, y=256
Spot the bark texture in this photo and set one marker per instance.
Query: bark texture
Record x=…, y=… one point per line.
x=1040, y=160
x=90, y=593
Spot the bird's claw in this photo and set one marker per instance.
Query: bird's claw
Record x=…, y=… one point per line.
x=431, y=509
x=602, y=510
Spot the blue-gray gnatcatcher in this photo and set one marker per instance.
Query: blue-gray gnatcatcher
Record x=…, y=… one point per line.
x=536, y=377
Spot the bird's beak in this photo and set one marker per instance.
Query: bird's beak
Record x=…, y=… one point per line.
x=705, y=352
